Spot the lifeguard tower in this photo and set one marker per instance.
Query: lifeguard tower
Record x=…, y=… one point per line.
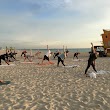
x=106, y=41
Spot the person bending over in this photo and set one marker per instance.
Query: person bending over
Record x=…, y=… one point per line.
x=23, y=53
x=61, y=58
x=4, y=57
x=76, y=55
x=26, y=56
x=47, y=56
x=11, y=55
x=56, y=54
x=38, y=54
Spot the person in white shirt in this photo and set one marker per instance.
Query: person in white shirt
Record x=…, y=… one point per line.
x=47, y=56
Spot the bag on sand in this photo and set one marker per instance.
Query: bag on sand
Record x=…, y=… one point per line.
x=92, y=75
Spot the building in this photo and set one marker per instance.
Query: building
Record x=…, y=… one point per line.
x=106, y=40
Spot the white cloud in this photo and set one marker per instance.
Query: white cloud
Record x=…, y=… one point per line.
x=56, y=23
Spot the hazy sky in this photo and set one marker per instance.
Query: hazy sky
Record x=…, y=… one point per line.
x=36, y=23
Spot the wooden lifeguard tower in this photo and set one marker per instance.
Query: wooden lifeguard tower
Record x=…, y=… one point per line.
x=106, y=41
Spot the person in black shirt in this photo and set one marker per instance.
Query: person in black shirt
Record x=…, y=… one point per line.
x=11, y=56
x=23, y=53
x=91, y=60
x=56, y=54
x=67, y=51
x=4, y=57
x=76, y=55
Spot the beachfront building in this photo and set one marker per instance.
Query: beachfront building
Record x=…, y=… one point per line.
x=106, y=40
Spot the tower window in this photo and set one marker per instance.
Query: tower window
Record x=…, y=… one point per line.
x=106, y=36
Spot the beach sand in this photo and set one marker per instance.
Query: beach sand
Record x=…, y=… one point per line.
x=48, y=87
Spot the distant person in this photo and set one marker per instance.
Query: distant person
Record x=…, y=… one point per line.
x=4, y=57
x=47, y=56
x=76, y=55
x=23, y=53
x=61, y=58
x=4, y=82
x=56, y=54
x=11, y=56
x=38, y=54
x=26, y=56
x=67, y=51
x=91, y=60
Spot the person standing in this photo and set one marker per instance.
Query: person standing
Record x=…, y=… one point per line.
x=91, y=60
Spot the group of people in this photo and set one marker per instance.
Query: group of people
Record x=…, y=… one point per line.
x=58, y=54
x=9, y=56
x=63, y=55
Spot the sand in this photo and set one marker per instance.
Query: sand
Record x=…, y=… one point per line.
x=48, y=87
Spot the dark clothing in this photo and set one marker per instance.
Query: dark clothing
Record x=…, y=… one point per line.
x=4, y=57
x=91, y=60
x=92, y=57
x=56, y=54
x=11, y=55
x=60, y=60
x=46, y=58
x=67, y=51
x=90, y=64
x=23, y=53
x=76, y=55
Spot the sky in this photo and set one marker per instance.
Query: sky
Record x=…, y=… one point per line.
x=37, y=23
